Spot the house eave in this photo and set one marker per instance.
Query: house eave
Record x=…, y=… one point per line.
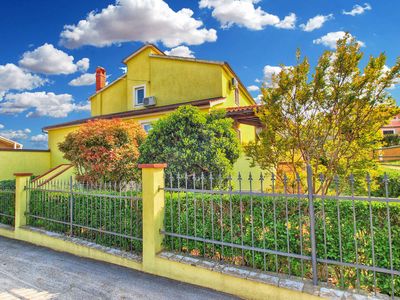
x=203, y=103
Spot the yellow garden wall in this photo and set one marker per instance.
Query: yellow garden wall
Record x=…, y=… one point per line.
x=17, y=161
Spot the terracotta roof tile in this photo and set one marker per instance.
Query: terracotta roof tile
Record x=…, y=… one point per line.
x=242, y=108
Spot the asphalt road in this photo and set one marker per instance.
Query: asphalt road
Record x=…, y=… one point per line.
x=31, y=272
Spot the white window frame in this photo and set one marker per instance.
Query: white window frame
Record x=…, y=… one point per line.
x=135, y=88
x=149, y=121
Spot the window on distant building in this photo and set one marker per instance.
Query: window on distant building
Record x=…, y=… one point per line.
x=391, y=131
x=139, y=95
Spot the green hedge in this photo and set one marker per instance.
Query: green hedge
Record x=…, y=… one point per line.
x=7, y=201
x=90, y=210
x=7, y=184
x=188, y=209
x=393, y=185
x=7, y=207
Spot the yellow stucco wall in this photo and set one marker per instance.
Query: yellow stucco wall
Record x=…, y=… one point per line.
x=115, y=98
x=138, y=74
x=177, y=81
x=21, y=161
x=229, y=92
x=247, y=133
x=57, y=136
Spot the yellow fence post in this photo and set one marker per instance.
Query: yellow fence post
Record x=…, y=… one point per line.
x=153, y=212
x=21, y=198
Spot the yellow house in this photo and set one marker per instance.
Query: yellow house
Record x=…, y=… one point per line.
x=154, y=85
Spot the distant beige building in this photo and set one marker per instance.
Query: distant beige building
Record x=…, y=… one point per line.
x=393, y=127
x=9, y=144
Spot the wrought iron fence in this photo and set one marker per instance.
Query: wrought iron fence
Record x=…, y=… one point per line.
x=7, y=205
x=108, y=214
x=340, y=238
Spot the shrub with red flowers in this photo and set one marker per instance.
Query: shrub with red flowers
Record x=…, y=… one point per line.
x=105, y=150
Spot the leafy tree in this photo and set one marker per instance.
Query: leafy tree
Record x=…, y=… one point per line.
x=329, y=119
x=192, y=142
x=105, y=150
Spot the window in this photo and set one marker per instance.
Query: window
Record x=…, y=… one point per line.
x=147, y=127
x=139, y=95
x=237, y=98
x=386, y=132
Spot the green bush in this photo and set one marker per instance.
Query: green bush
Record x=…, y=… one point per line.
x=7, y=184
x=7, y=202
x=193, y=142
x=391, y=189
x=391, y=139
x=90, y=210
x=212, y=217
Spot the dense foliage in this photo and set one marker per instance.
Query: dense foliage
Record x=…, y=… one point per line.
x=7, y=184
x=105, y=210
x=213, y=217
x=391, y=140
x=7, y=201
x=105, y=150
x=388, y=186
x=330, y=119
x=192, y=142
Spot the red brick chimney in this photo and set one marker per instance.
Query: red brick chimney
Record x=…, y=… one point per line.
x=100, y=78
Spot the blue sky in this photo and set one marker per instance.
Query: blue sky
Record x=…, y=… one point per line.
x=50, y=49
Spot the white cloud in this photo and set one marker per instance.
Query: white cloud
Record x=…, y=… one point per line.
x=289, y=22
x=182, y=51
x=84, y=79
x=39, y=138
x=13, y=77
x=83, y=64
x=123, y=69
x=137, y=20
x=358, y=10
x=396, y=82
x=330, y=39
x=20, y=134
x=83, y=107
x=253, y=88
x=49, y=60
x=244, y=13
x=258, y=98
x=39, y=104
x=1, y=126
x=269, y=72
x=316, y=22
